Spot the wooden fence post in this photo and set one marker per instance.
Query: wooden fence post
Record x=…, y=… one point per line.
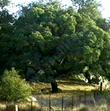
x=85, y=97
x=16, y=107
x=72, y=101
x=6, y=105
x=31, y=105
x=62, y=102
x=79, y=98
x=41, y=102
x=49, y=103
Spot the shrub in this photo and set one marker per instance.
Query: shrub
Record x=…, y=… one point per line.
x=13, y=87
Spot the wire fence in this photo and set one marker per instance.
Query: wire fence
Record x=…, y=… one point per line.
x=57, y=103
x=67, y=103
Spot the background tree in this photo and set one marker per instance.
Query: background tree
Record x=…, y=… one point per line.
x=47, y=41
x=6, y=38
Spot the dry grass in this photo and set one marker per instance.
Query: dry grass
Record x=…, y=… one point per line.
x=23, y=106
x=37, y=87
x=76, y=87
x=69, y=90
x=64, y=86
x=2, y=106
x=81, y=107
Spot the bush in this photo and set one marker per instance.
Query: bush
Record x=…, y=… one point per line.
x=13, y=87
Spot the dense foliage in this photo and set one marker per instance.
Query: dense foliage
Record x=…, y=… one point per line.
x=47, y=40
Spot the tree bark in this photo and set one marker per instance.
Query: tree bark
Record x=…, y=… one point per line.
x=100, y=87
x=87, y=75
x=54, y=86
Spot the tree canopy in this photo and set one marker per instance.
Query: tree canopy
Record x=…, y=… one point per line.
x=48, y=40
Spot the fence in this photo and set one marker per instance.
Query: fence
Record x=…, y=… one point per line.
x=59, y=103
x=69, y=102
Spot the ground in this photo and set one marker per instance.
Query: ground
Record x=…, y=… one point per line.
x=64, y=86
x=72, y=96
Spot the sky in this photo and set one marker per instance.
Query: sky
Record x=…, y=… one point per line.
x=105, y=9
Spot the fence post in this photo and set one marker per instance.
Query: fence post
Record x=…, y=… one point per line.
x=16, y=107
x=79, y=98
x=6, y=105
x=72, y=101
x=31, y=105
x=49, y=103
x=62, y=102
x=41, y=102
x=85, y=97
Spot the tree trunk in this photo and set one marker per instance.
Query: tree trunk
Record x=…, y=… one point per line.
x=89, y=80
x=87, y=75
x=100, y=87
x=54, y=86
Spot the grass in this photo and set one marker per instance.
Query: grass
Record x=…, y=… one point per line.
x=23, y=106
x=64, y=86
x=80, y=93
x=37, y=87
x=77, y=91
x=81, y=107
